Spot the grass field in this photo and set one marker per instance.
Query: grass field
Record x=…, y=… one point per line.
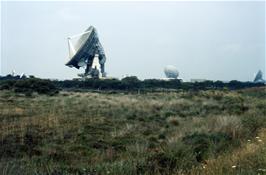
x=182, y=132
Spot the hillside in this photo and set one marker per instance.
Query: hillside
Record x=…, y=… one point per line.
x=106, y=132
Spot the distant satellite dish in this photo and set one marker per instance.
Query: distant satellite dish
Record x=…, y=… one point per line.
x=259, y=77
x=21, y=75
x=13, y=73
x=82, y=53
x=171, y=71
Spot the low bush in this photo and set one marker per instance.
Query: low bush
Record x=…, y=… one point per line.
x=253, y=123
x=178, y=157
x=15, y=146
x=206, y=145
x=29, y=86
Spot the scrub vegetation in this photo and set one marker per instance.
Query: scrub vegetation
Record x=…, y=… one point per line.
x=212, y=132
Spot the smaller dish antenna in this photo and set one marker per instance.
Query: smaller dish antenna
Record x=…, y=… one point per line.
x=21, y=75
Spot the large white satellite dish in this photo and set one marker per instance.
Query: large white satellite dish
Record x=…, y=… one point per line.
x=82, y=53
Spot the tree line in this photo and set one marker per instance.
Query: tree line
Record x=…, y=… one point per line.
x=45, y=86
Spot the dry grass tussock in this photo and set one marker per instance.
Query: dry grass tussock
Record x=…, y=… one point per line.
x=249, y=159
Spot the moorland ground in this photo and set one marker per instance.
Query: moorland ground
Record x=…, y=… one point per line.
x=173, y=132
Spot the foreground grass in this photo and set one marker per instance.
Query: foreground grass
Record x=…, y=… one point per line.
x=250, y=158
x=205, y=132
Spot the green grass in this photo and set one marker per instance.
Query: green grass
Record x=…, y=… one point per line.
x=124, y=133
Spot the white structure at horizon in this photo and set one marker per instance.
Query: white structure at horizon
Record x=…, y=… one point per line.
x=171, y=72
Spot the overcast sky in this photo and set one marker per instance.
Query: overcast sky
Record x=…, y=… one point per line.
x=210, y=40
